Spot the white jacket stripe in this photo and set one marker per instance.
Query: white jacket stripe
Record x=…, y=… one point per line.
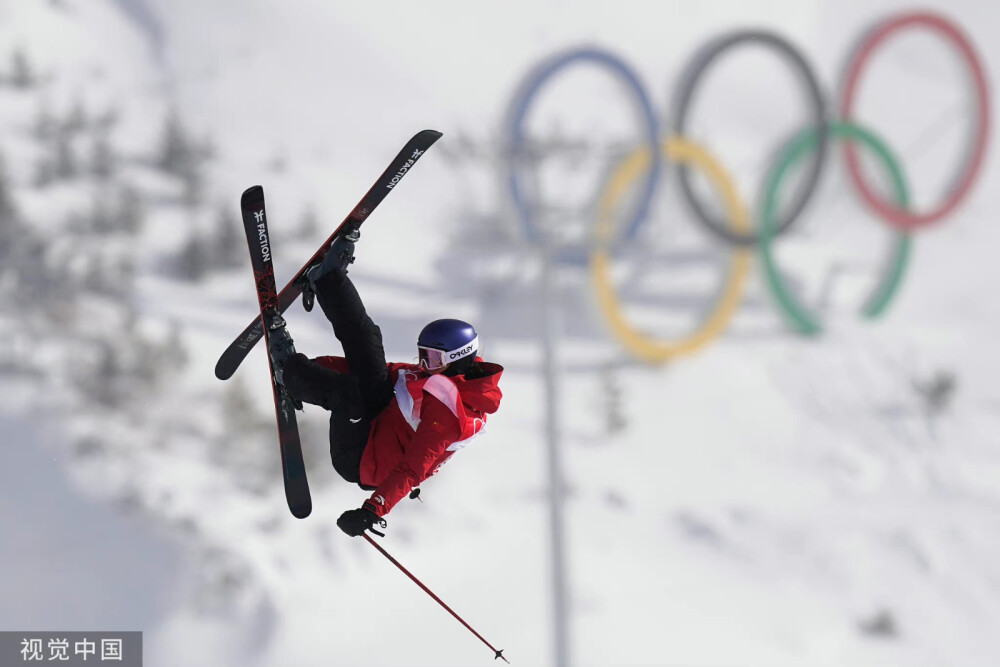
x=405, y=401
x=444, y=390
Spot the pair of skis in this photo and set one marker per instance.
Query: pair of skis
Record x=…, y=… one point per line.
x=273, y=303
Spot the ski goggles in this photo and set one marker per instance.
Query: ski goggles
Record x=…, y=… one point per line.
x=432, y=359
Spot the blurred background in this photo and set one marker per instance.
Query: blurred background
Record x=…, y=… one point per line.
x=710, y=452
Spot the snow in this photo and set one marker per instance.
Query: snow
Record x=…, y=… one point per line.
x=765, y=500
x=72, y=573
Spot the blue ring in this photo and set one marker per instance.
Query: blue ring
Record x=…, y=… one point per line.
x=519, y=111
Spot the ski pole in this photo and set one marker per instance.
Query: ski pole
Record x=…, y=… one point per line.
x=499, y=654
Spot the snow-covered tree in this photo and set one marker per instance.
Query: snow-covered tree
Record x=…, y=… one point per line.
x=130, y=213
x=194, y=260
x=103, y=386
x=44, y=126
x=230, y=244
x=107, y=120
x=194, y=186
x=76, y=121
x=102, y=157
x=45, y=173
x=177, y=154
x=22, y=75
x=8, y=209
x=174, y=350
x=239, y=414
x=102, y=220
x=308, y=225
x=65, y=164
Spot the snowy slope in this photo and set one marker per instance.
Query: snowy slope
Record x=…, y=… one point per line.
x=766, y=499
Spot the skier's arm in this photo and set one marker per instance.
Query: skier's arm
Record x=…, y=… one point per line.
x=437, y=430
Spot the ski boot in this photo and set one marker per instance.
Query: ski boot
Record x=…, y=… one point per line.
x=281, y=348
x=339, y=257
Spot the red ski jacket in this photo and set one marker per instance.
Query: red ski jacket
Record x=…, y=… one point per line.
x=429, y=419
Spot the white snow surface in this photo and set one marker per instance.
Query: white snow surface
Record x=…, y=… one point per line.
x=767, y=498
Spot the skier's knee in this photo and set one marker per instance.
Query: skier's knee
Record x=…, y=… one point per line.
x=295, y=365
x=296, y=377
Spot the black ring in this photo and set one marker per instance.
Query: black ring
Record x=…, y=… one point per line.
x=685, y=92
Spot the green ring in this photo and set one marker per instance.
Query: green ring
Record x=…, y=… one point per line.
x=798, y=316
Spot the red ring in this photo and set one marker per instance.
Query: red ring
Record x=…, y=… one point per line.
x=895, y=216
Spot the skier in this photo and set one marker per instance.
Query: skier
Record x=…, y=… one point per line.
x=392, y=425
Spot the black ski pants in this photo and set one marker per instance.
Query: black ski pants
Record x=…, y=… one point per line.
x=354, y=398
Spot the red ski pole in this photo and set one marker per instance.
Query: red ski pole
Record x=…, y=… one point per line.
x=499, y=654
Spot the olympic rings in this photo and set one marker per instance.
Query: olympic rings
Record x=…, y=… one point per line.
x=645, y=348
x=797, y=315
x=857, y=60
x=967, y=176
x=698, y=66
x=521, y=105
x=735, y=228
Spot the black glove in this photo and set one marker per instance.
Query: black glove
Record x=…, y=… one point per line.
x=356, y=522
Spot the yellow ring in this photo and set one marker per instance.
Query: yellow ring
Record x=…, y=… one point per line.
x=643, y=347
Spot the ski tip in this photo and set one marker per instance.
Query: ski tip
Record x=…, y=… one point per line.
x=253, y=192
x=429, y=135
